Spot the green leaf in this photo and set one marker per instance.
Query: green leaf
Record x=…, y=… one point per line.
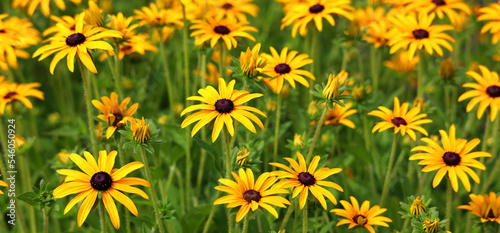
x=207, y=147
x=31, y=198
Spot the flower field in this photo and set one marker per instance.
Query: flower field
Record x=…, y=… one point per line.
x=250, y=116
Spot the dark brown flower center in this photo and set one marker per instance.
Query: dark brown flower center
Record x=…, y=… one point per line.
x=2, y=30
x=118, y=118
x=227, y=6
x=420, y=34
x=101, y=181
x=451, y=158
x=316, y=9
x=224, y=106
x=223, y=30
x=282, y=68
x=306, y=178
x=439, y=2
x=491, y=214
x=75, y=39
x=359, y=219
x=73, y=27
x=251, y=195
x=493, y=91
x=10, y=94
x=126, y=48
x=397, y=121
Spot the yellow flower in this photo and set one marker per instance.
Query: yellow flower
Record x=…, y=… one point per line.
x=251, y=194
x=63, y=156
x=377, y=33
x=361, y=217
x=338, y=115
x=2, y=183
x=298, y=141
x=415, y=33
x=31, y=5
x=100, y=177
x=300, y=15
x=252, y=62
x=215, y=30
x=442, y=7
x=163, y=119
x=16, y=34
x=417, y=207
x=431, y=225
x=486, y=206
x=359, y=92
x=116, y=115
x=313, y=108
x=123, y=25
x=140, y=130
x=20, y=141
x=402, y=63
x=223, y=106
x=243, y=156
x=10, y=92
x=486, y=92
x=93, y=15
x=302, y=180
x=286, y=66
x=68, y=22
x=401, y=119
x=70, y=43
x=446, y=69
x=271, y=105
x=159, y=17
x=232, y=9
x=492, y=14
x=331, y=90
x=453, y=158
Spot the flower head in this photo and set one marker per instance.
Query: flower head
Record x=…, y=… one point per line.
x=486, y=206
x=441, y=8
x=431, y=225
x=486, y=92
x=78, y=42
x=303, y=179
x=100, y=177
x=417, y=207
x=286, y=66
x=338, y=115
x=359, y=92
x=412, y=34
x=93, y=15
x=243, y=156
x=225, y=30
x=252, y=62
x=251, y=194
x=140, y=130
x=301, y=14
x=491, y=13
x=454, y=159
x=156, y=17
x=116, y=115
x=223, y=106
x=123, y=24
x=63, y=156
x=401, y=119
x=10, y=92
x=335, y=82
x=234, y=10
x=298, y=141
x=402, y=63
x=446, y=69
x=363, y=216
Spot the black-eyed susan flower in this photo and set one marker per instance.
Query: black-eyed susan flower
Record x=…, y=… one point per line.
x=123, y=24
x=135, y=44
x=303, y=180
x=116, y=115
x=360, y=92
x=100, y=177
x=402, y=63
x=10, y=92
x=2, y=183
x=338, y=115
x=450, y=8
x=232, y=9
x=363, y=216
x=491, y=13
x=486, y=92
x=155, y=16
x=223, y=106
x=335, y=86
x=377, y=33
x=140, y=130
x=68, y=22
x=225, y=30
x=486, y=206
x=454, y=158
x=431, y=225
x=401, y=119
x=417, y=207
x=93, y=15
x=251, y=194
x=252, y=62
x=31, y=5
x=79, y=42
x=16, y=34
x=415, y=32
x=300, y=15
x=286, y=66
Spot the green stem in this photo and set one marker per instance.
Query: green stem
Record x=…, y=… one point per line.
x=222, y=62
x=374, y=67
x=287, y=215
x=316, y=133
x=167, y=76
x=492, y=176
x=88, y=99
x=45, y=220
x=185, y=50
x=153, y=193
x=245, y=224
x=389, y=169
x=420, y=87
x=276, y=130
x=314, y=42
x=228, y=173
x=448, y=205
x=484, y=146
x=102, y=216
x=114, y=71
x=360, y=67
x=203, y=130
x=211, y=215
x=447, y=101
x=304, y=219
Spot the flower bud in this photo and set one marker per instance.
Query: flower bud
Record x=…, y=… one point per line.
x=243, y=156
x=298, y=141
x=93, y=15
x=446, y=69
x=332, y=88
x=251, y=61
x=141, y=131
x=417, y=207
